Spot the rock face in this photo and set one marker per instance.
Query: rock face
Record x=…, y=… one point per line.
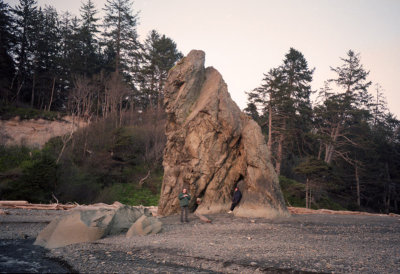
x=212, y=145
x=87, y=225
x=35, y=133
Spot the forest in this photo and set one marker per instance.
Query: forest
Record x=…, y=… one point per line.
x=337, y=147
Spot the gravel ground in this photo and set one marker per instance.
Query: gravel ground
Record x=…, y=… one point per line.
x=299, y=244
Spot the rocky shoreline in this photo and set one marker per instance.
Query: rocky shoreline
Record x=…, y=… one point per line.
x=317, y=243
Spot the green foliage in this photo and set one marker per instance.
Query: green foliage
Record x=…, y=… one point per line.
x=129, y=194
x=36, y=179
x=8, y=112
x=7, y=69
x=284, y=102
x=76, y=184
x=105, y=162
x=345, y=147
x=293, y=192
x=313, y=169
x=160, y=54
x=12, y=157
x=121, y=36
x=128, y=144
x=327, y=203
x=133, y=194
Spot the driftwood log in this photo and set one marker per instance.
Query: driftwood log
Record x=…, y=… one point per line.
x=153, y=209
x=26, y=205
x=301, y=210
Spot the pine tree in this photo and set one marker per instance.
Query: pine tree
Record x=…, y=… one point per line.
x=25, y=18
x=284, y=99
x=340, y=107
x=88, y=35
x=121, y=36
x=46, y=58
x=72, y=49
x=296, y=104
x=345, y=118
x=6, y=43
x=379, y=107
x=352, y=77
x=160, y=54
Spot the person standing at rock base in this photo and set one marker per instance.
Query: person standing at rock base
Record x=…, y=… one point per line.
x=184, y=199
x=237, y=195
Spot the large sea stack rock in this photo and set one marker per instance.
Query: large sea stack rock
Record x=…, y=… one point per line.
x=212, y=147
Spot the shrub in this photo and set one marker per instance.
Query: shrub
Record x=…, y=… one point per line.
x=8, y=112
x=293, y=192
x=12, y=157
x=129, y=194
x=37, y=182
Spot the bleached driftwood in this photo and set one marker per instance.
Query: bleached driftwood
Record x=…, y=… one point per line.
x=26, y=205
x=13, y=202
x=300, y=210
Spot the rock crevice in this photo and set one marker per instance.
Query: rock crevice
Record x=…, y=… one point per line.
x=212, y=145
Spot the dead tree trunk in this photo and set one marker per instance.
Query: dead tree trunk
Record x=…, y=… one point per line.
x=358, y=185
x=307, y=193
x=387, y=192
x=52, y=93
x=33, y=90
x=330, y=148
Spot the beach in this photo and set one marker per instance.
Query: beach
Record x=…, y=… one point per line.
x=318, y=243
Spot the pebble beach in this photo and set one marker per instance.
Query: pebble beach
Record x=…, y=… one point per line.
x=315, y=243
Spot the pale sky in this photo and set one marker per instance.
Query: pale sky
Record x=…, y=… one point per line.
x=244, y=39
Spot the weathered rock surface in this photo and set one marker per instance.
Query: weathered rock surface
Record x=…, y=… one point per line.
x=144, y=226
x=35, y=133
x=87, y=225
x=212, y=145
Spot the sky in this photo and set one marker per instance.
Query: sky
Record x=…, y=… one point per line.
x=245, y=39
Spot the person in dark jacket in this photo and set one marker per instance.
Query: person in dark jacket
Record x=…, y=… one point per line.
x=237, y=195
x=184, y=199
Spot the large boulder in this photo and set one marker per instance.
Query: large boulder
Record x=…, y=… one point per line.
x=89, y=224
x=144, y=226
x=212, y=145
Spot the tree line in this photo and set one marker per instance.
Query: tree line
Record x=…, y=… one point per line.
x=92, y=68
x=345, y=145
x=340, y=150
x=89, y=65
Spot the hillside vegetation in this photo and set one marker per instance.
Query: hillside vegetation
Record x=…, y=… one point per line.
x=100, y=163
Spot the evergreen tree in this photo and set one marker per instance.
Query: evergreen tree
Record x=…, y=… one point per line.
x=71, y=48
x=6, y=43
x=121, y=37
x=341, y=107
x=379, y=107
x=296, y=105
x=317, y=172
x=284, y=99
x=352, y=78
x=160, y=54
x=344, y=119
x=25, y=18
x=88, y=32
x=46, y=65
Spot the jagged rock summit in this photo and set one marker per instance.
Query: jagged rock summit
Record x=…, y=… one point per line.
x=212, y=147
